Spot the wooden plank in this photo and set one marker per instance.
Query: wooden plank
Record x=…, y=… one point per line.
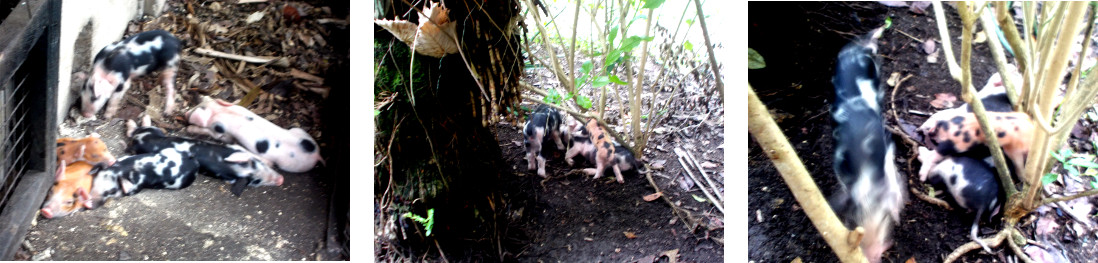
x=19, y=26
x=29, y=193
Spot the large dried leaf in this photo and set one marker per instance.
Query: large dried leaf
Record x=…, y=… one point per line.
x=433, y=36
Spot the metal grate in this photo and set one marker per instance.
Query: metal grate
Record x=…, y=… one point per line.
x=28, y=120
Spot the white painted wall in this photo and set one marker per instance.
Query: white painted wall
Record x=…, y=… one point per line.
x=109, y=20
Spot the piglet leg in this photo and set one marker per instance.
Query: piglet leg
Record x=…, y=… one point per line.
x=541, y=166
x=617, y=173
x=976, y=228
x=116, y=100
x=168, y=78
x=572, y=152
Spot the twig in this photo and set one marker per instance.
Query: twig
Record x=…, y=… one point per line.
x=703, y=174
x=250, y=1
x=705, y=191
x=905, y=33
x=681, y=213
x=306, y=76
x=709, y=47
x=277, y=61
x=929, y=199
x=1066, y=198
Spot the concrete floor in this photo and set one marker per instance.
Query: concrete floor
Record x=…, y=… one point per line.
x=201, y=222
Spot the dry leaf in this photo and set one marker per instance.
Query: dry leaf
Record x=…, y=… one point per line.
x=796, y=260
x=672, y=255
x=893, y=79
x=630, y=235
x=433, y=35
x=980, y=37
x=708, y=165
x=1046, y=225
x=255, y=17
x=910, y=260
x=943, y=100
x=652, y=197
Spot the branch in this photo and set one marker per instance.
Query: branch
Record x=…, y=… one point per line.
x=277, y=61
x=947, y=46
x=969, y=93
x=1047, y=201
x=1000, y=58
x=709, y=47
x=770, y=138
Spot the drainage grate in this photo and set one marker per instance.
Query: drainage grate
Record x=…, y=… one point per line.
x=28, y=124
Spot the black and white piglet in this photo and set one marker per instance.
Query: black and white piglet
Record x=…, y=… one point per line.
x=166, y=169
x=541, y=126
x=117, y=64
x=972, y=182
x=872, y=192
x=231, y=163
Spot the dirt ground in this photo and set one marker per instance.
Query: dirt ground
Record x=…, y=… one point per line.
x=796, y=86
x=294, y=221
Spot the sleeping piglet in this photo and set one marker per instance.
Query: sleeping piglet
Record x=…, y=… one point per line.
x=166, y=169
x=291, y=150
x=89, y=149
x=225, y=162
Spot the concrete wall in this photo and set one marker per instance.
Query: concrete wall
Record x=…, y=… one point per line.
x=86, y=27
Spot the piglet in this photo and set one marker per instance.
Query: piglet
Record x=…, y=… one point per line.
x=542, y=125
x=70, y=193
x=231, y=163
x=972, y=182
x=166, y=169
x=291, y=150
x=872, y=192
x=89, y=149
x=117, y=64
x=597, y=147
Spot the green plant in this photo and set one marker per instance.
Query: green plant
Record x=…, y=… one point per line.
x=428, y=223
x=1079, y=160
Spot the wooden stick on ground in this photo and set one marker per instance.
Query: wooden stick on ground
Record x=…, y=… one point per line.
x=713, y=187
x=277, y=61
x=701, y=186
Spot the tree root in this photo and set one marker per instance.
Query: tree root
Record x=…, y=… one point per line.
x=994, y=241
x=929, y=199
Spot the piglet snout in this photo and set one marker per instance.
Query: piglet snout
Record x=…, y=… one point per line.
x=46, y=213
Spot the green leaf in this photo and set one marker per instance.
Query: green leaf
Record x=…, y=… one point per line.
x=586, y=67
x=376, y=112
x=430, y=220
x=1058, y=156
x=1094, y=184
x=583, y=102
x=617, y=80
x=688, y=45
x=632, y=42
x=1083, y=162
x=652, y=3
x=613, y=34
x=1072, y=170
x=888, y=22
x=690, y=22
x=1049, y=178
x=601, y=81
x=754, y=59
x=698, y=198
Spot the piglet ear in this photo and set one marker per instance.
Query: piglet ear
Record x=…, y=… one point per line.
x=60, y=170
x=224, y=103
x=83, y=194
x=80, y=153
x=238, y=157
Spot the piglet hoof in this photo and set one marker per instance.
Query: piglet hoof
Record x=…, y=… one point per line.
x=130, y=127
x=541, y=172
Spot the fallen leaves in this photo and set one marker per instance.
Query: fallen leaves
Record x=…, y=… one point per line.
x=652, y=197
x=629, y=235
x=432, y=37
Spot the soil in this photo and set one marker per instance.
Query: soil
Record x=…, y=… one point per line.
x=795, y=86
x=573, y=218
x=303, y=219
